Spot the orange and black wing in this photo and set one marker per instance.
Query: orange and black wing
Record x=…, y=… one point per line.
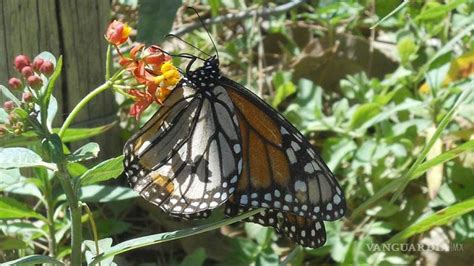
x=281, y=170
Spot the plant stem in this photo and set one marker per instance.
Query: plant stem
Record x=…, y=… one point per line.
x=108, y=62
x=75, y=209
x=81, y=105
x=86, y=100
x=50, y=216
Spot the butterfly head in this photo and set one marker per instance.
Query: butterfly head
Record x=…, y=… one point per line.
x=205, y=75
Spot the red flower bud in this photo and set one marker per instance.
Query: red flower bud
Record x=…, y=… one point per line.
x=27, y=96
x=27, y=71
x=21, y=61
x=47, y=68
x=8, y=106
x=34, y=81
x=37, y=64
x=117, y=32
x=14, y=83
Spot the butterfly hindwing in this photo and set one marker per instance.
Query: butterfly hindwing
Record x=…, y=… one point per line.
x=301, y=230
x=177, y=160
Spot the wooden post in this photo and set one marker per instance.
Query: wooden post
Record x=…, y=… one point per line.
x=74, y=29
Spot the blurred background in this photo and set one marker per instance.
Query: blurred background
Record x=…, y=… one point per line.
x=368, y=98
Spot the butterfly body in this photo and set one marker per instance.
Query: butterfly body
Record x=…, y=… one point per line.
x=214, y=142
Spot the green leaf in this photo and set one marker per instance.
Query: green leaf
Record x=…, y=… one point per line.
x=466, y=94
x=86, y=152
x=444, y=157
x=52, y=110
x=76, y=169
x=9, y=243
x=11, y=208
x=406, y=49
x=3, y=116
x=104, y=245
x=76, y=134
x=33, y=260
x=363, y=113
x=10, y=95
x=101, y=193
x=52, y=79
x=26, y=187
x=388, y=112
x=439, y=218
x=111, y=168
x=284, y=87
x=155, y=19
x=378, y=228
x=22, y=157
x=437, y=11
x=9, y=177
x=168, y=236
x=196, y=258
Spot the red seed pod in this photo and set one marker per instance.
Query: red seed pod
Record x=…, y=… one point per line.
x=47, y=68
x=37, y=64
x=27, y=71
x=34, y=81
x=14, y=83
x=27, y=96
x=21, y=61
x=8, y=106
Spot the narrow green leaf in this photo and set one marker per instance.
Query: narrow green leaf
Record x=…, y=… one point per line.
x=168, y=236
x=400, y=183
x=442, y=125
x=10, y=95
x=22, y=140
x=155, y=19
x=402, y=5
x=52, y=81
x=22, y=157
x=111, y=168
x=9, y=243
x=76, y=134
x=444, y=157
x=438, y=10
x=11, y=208
x=439, y=218
x=33, y=260
x=86, y=152
x=101, y=193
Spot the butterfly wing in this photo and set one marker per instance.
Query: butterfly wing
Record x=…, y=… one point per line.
x=281, y=170
x=306, y=232
x=187, y=158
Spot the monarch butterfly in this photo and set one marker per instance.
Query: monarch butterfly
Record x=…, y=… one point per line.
x=214, y=142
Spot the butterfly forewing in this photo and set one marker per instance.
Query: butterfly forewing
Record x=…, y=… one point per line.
x=177, y=159
x=281, y=170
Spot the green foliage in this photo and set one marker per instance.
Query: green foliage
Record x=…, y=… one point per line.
x=374, y=85
x=156, y=19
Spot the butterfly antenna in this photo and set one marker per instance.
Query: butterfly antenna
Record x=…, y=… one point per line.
x=208, y=33
x=188, y=43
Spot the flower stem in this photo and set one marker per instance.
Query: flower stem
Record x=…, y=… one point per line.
x=108, y=62
x=50, y=216
x=75, y=209
x=86, y=100
x=81, y=105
